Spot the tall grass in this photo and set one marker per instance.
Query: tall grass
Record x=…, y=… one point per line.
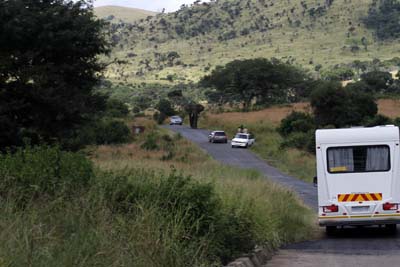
x=136, y=209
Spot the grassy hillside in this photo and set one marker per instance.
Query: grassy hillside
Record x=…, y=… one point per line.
x=185, y=45
x=116, y=14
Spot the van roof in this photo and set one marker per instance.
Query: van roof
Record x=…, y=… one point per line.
x=358, y=135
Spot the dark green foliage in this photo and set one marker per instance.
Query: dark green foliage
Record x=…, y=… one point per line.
x=377, y=81
x=228, y=231
x=116, y=108
x=384, y=19
x=43, y=172
x=48, y=68
x=101, y=132
x=377, y=121
x=301, y=140
x=338, y=74
x=296, y=122
x=333, y=105
x=268, y=81
x=112, y=132
x=151, y=142
x=165, y=107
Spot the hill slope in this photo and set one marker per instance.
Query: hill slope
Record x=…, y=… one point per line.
x=185, y=45
x=115, y=14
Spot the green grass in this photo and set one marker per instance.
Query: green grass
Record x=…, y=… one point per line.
x=137, y=209
x=268, y=146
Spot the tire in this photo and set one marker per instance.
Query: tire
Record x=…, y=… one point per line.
x=330, y=230
x=391, y=228
x=226, y=141
x=233, y=146
x=246, y=146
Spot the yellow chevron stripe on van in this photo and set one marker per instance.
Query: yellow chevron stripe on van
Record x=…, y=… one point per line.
x=360, y=197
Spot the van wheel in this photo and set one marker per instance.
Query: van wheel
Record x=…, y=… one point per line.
x=391, y=228
x=330, y=230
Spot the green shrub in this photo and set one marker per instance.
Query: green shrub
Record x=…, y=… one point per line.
x=100, y=132
x=200, y=209
x=377, y=120
x=296, y=122
x=112, y=132
x=42, y=171
x=150, y=142
x=116, y=108
x=300, y=140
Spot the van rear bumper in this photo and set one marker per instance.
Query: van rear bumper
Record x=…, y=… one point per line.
x=326, y=221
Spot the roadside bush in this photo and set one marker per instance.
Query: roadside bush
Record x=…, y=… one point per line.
x=377, y=120
x=160, y=117
x=300, y=140
x=296, y=122
x=42, y=171
x=100, y=132
x=150, y=142
x=116, y=108
x=228, y=230
x=112, y=132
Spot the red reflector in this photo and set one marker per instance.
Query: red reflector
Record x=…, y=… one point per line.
x=332, y=208
x=390, y=206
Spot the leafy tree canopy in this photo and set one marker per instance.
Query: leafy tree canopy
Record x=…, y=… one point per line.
x=377, y=81
x=269, y=81
x=48, y=68
x=336, y=106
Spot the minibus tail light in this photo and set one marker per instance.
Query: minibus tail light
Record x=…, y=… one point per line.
x=331, y=208
x=390, y=206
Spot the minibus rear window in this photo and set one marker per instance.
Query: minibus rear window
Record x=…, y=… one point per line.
x=358, y=159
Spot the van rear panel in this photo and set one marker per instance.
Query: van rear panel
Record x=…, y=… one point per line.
x=358, y=181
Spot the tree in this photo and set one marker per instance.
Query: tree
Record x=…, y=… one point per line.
x=48, y=68
x=384, y=19
x=334, y=105
x=377, y=81
x=268, y=81
x=165, y=107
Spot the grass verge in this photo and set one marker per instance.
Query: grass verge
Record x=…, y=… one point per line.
x=294, y=162
x=171, y=206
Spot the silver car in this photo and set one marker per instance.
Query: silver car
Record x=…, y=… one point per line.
x=217, y=137
x=176, y=120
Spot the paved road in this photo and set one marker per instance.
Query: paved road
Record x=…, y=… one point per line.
x=245, y=159
x=350, y=247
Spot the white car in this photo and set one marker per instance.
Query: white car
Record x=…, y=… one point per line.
x=176, y=120
x=243, y=140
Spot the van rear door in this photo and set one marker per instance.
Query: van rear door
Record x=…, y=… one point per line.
x=358, y=178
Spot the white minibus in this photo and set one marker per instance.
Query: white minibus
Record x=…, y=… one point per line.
x=358, y=177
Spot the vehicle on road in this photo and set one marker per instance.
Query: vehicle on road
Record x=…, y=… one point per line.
x=358, y=177
x=243, y=140
x=176, y=120
x=217, y=137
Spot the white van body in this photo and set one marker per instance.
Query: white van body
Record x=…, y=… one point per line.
x=358, y=176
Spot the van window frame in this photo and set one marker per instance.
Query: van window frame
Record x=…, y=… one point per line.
x=344, y=172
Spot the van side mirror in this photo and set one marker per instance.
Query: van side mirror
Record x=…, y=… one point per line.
x=315, y=181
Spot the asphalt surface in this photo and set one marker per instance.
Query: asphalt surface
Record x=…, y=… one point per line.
x=244, y=158
x=364, y=247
